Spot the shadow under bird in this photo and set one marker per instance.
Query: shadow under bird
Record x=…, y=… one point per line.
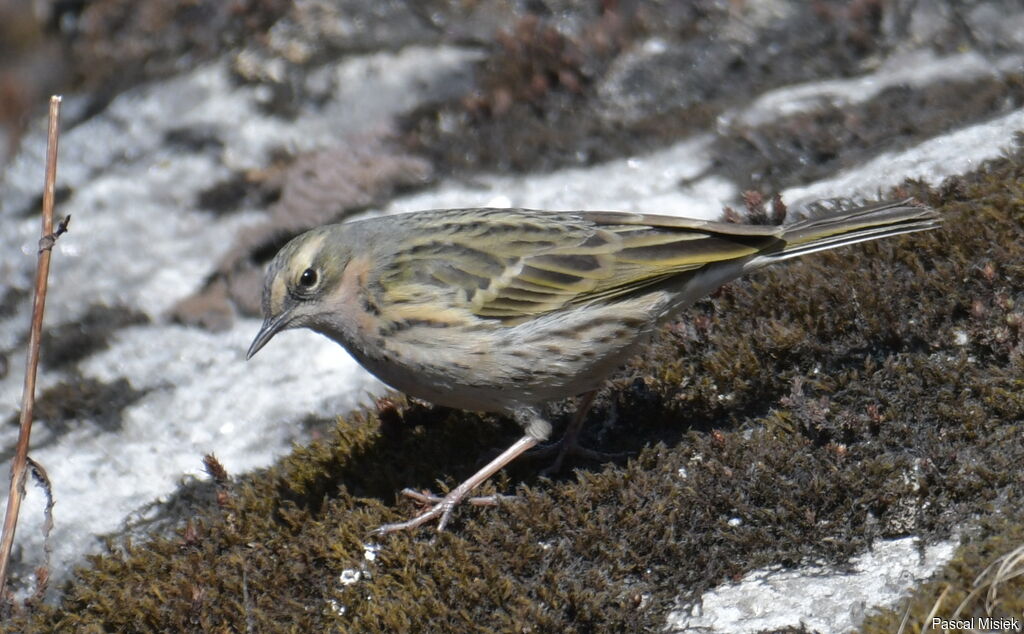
x=504, y=310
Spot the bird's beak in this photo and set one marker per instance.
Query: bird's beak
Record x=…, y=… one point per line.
x=271, y=326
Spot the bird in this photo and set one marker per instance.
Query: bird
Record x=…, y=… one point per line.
x=505, y=310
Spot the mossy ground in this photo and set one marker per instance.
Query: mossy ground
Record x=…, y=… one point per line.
x=796, y=416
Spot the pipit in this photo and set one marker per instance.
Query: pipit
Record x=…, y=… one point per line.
x=504, y=310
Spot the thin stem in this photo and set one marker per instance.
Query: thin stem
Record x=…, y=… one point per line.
x=19, y=463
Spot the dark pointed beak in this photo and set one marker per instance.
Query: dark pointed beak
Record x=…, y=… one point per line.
x=271, y=326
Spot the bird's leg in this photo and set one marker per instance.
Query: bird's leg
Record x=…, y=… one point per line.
x=569, y=443
x=442, y=509
x=570, y=439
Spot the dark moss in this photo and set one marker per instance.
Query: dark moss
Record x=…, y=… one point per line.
x=115, y=43
x=10, y=300
x=194, y=139
x=527, y=101
x=793, y=418
x=236, y=192
x=61, y=194
x=78, y=400
x=66, y=344
x=544, y=99
x=804, y=147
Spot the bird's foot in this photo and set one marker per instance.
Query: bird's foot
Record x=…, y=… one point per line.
x=569, y=444
x=562, y=449
x=426, y=498
x=438, y=508
x=441, y=507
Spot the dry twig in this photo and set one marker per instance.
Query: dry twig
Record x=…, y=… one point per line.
x=20, y=462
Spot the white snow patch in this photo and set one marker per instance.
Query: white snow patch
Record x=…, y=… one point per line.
x=648, y=184
x=914, y=68
x=136, y=241
x=818, y=598
x=932, y=161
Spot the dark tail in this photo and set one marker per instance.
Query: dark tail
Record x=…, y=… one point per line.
x=853, y=226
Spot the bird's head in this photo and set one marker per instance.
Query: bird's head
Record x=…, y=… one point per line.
x=304, y=272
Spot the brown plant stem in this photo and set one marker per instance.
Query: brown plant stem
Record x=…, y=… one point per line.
x=20, y=461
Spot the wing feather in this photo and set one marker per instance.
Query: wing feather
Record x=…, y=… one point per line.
x=513, y=264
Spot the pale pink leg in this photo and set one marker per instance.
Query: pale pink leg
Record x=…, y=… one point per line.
x=442, y=510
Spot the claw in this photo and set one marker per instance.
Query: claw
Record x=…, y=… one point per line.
x=427, y=498
x=442, y=507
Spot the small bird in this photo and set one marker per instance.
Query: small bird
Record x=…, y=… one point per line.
x=504, y=310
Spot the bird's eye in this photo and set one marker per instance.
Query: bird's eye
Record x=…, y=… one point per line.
x=308, y=278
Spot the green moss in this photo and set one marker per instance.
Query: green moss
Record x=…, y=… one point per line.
x=869, y=392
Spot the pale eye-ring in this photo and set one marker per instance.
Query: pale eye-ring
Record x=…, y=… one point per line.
x=308, y=278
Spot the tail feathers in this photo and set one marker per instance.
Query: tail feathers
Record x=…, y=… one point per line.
x=850, y=227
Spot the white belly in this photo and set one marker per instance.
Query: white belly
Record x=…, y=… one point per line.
x=501, y=369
